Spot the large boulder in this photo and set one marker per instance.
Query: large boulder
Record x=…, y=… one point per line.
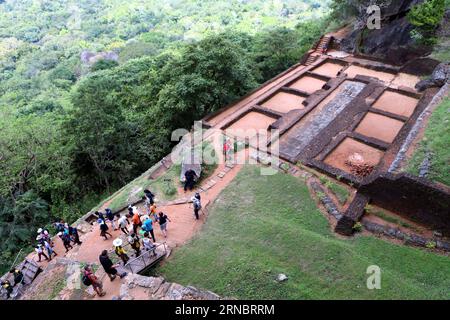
x=439, y=77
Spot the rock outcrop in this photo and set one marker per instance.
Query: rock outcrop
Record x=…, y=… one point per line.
x=439, y=77
x=156, y=288
x=393, y=42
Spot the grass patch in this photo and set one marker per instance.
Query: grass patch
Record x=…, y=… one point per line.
x=390, y=218
x=260, y=226
x=436, y=142
x=164, y=187
x=341, y=193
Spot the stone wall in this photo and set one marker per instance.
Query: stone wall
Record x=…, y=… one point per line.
x=415, y=198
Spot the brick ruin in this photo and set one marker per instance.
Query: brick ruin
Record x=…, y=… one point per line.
x=348, y=117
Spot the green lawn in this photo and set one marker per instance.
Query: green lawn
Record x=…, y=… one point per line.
x=437, y=142
x=264, y=225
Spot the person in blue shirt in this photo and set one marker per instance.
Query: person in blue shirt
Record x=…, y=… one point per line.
x=148, y=227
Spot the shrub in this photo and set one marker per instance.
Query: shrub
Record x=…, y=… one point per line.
x=358, y=227
x=425, y=18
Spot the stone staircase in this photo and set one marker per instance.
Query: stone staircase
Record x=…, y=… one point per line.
x=323, y=44
x=311, y=59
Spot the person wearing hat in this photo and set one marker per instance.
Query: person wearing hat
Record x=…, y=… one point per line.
x=6, y=285
x=18, y=276
x=118, y=249
x=196, y=201
x=95, y=282
x=109, y=267
x=133, y=240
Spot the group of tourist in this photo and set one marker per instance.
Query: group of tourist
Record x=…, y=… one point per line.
x=142, y=236
x=45, y=245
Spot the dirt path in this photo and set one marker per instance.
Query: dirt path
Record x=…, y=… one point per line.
x=181, y=228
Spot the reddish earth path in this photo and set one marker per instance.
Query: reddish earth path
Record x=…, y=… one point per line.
x=181, y=228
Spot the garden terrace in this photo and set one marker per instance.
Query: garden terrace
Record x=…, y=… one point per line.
x=346, y=117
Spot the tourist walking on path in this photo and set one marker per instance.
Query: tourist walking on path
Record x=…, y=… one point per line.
x=133, y=240
x=190, y=177
x=18, y=276
x=120, y=251
x=149, y=198
x=110, y=216
x=123, y=223
x=89, y=278
x=40, y=252
x=109, y=267
x=73, y=233
x=196, y=201
x=43, y=235
x=6, y=285
x=148, y=227
x=59, y=226
x=153, y=213
x=100, y=215
x=104, y=229
x=66, y=240
x=162, y=220
x=148, y=245
x=136, y=221
x=50, y=250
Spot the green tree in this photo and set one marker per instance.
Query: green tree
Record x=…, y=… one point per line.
x=426, y=17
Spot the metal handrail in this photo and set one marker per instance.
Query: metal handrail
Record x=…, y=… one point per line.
x=15, y=260
x=142, y=257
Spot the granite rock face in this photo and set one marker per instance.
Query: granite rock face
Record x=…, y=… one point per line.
x=439, y=77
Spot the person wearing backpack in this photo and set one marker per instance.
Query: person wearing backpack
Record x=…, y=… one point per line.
x=6, y=285
x=133, y=240
x=119, y=250
x=109, y=267
x=196, y=201
x=89, y=278
x=18, y=276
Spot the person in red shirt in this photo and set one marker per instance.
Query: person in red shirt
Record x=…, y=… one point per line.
x=94, y=281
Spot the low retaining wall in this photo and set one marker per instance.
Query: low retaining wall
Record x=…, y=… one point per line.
x=412, y=197
x=415, y=198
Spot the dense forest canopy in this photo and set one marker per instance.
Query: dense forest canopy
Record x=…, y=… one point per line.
x=90, y=90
